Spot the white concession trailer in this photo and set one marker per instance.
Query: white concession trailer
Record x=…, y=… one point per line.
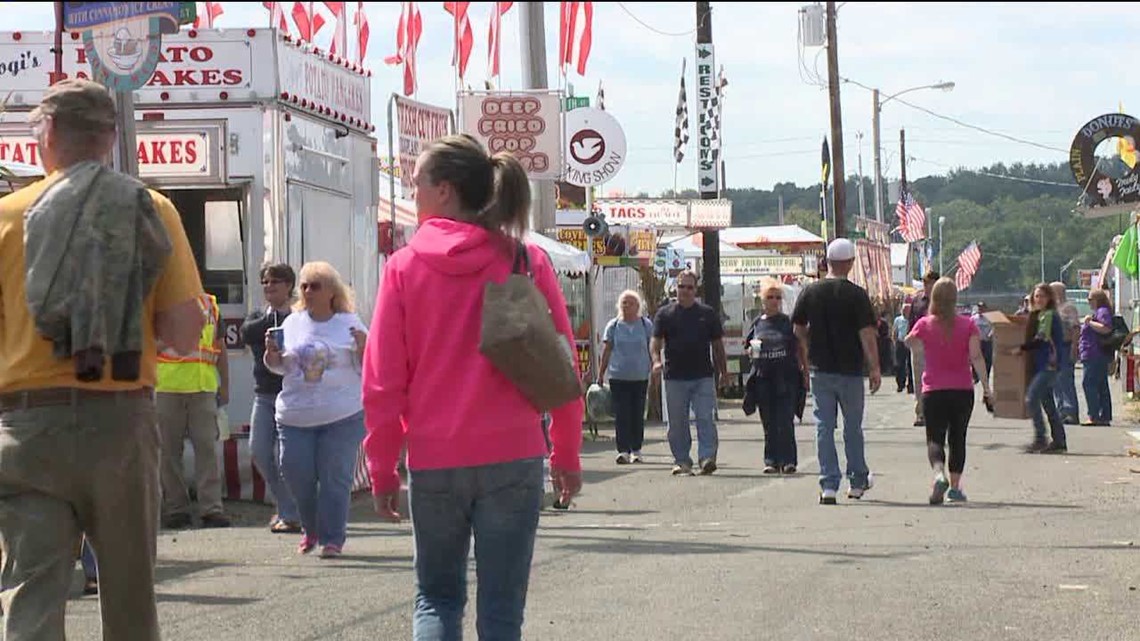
x=263, y=143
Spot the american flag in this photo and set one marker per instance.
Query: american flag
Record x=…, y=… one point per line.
x=968, y=262
x=912, y=218
x=681, y=128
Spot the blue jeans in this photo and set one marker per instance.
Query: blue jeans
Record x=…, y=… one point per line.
x=1040, y=396
x=1098, y=396
x=87, y=558
x=265, y=451
x=701, y=395
x=497, y=503
x=832, y=393
x=1065, y=391
x=317, y=463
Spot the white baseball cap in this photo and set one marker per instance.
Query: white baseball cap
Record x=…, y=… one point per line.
x=841, y=249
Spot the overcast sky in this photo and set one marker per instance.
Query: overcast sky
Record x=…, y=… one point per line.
x=1033, y=71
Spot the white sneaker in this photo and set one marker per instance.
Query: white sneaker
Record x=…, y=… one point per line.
x=635, y=457
x=857, y=492
x=827, y=497
x=622, y=458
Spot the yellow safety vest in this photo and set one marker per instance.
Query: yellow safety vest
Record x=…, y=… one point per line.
x=198, y=370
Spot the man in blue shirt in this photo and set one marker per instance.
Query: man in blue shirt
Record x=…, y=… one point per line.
x=899, y=330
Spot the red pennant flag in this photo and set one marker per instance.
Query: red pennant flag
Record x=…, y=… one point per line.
x=362, y=33
x=464, y=37
x=308, y=21
x=209, y=13
x=493, y=37
x=340, y=30
x=407, y=41
x=566, y=31
x=587, y=36
x=276, y=16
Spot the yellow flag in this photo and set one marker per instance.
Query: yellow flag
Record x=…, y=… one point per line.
x=1126, y=147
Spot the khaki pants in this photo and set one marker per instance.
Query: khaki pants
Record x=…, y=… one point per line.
x=91, y=467
x=194, y=416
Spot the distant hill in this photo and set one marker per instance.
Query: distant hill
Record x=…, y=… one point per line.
x=1004, y=208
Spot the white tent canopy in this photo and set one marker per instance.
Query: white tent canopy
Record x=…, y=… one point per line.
x=566, y=259
x=693, y=248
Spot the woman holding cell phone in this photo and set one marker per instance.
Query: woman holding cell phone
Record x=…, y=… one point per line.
x=318, y=351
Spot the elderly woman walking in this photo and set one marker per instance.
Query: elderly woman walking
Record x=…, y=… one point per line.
x=318, y=353
x=626, y=362
x=777, y=375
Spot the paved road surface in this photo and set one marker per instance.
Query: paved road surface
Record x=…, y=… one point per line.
x=1048, y=548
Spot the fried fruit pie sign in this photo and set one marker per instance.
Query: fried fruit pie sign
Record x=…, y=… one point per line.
x=1100, y=188
x=595, y=147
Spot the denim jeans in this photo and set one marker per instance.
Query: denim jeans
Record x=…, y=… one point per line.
x=264, y=448
x=1065, y=391
x=499, y=504
x=1098, y=395
x=629, y=414
x=775, y=398
x=87, y=558
x=832, y=393
x=701, y=395
x=317, y=463
x=1040, y=396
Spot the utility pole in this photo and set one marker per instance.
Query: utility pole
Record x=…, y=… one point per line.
x=781, y=218
x=839, y=196
x=710, y=253
x=877, y=142
x=533, y=40
x=862, y=200
x=902, y=156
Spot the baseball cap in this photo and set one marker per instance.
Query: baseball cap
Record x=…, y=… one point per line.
x=77, y=104
x=841, y=249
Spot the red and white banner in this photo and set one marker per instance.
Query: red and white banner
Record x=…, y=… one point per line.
x=570, y=31
x=527, y=125
x=494, y=31
x=340, y=29
x=362, y=33
x=408, y=33
x=463, y=36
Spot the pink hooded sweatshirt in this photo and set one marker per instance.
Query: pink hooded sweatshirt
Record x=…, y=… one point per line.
x=425, y=381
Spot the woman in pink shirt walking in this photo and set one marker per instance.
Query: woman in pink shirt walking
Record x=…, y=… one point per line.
x=475, y=445
x=950, y=344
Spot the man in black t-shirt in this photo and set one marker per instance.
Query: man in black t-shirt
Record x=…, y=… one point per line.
x=835, y=325
x=689, y=331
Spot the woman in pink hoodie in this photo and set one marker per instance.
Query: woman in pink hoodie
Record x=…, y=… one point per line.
x=475, y=445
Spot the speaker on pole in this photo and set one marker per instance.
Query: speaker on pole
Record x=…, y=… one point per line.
x=594, y=227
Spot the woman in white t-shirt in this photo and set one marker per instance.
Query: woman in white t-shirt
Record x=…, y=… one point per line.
x=319, y=410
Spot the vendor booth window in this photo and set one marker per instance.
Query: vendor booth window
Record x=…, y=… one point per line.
x=213, y=220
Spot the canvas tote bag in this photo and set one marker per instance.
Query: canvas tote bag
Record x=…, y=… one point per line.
x=519, y=338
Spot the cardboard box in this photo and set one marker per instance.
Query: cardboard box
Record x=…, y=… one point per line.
x=1009, y=380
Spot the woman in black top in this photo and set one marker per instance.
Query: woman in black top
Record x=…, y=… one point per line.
x=776, y=379
x=277, y=282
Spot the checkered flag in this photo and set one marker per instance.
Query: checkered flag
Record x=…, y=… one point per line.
x=601, y=97
x=681, y=128
x=712, y=115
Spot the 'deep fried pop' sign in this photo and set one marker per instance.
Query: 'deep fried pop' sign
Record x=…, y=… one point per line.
x=527, y=125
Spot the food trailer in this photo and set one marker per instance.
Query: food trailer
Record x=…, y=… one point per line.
x=263, y=143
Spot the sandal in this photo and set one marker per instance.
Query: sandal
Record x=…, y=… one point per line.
x=285, y=527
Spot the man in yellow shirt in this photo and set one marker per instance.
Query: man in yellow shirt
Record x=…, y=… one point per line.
x=81, y=456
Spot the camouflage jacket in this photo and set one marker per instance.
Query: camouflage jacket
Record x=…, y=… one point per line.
x=94, y=246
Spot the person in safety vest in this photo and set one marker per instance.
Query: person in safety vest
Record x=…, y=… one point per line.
x=191, y=388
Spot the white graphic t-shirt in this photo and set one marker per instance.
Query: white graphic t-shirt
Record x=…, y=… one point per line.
x=321, y=384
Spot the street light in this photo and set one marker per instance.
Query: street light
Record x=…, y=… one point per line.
x=941, y=222
x=876, y=107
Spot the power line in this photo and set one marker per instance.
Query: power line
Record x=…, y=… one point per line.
x=981, y=129
x=655, y=29
x=981, y=172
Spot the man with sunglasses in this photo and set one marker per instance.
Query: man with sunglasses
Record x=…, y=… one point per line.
x=688, y=332
x=835, y=325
